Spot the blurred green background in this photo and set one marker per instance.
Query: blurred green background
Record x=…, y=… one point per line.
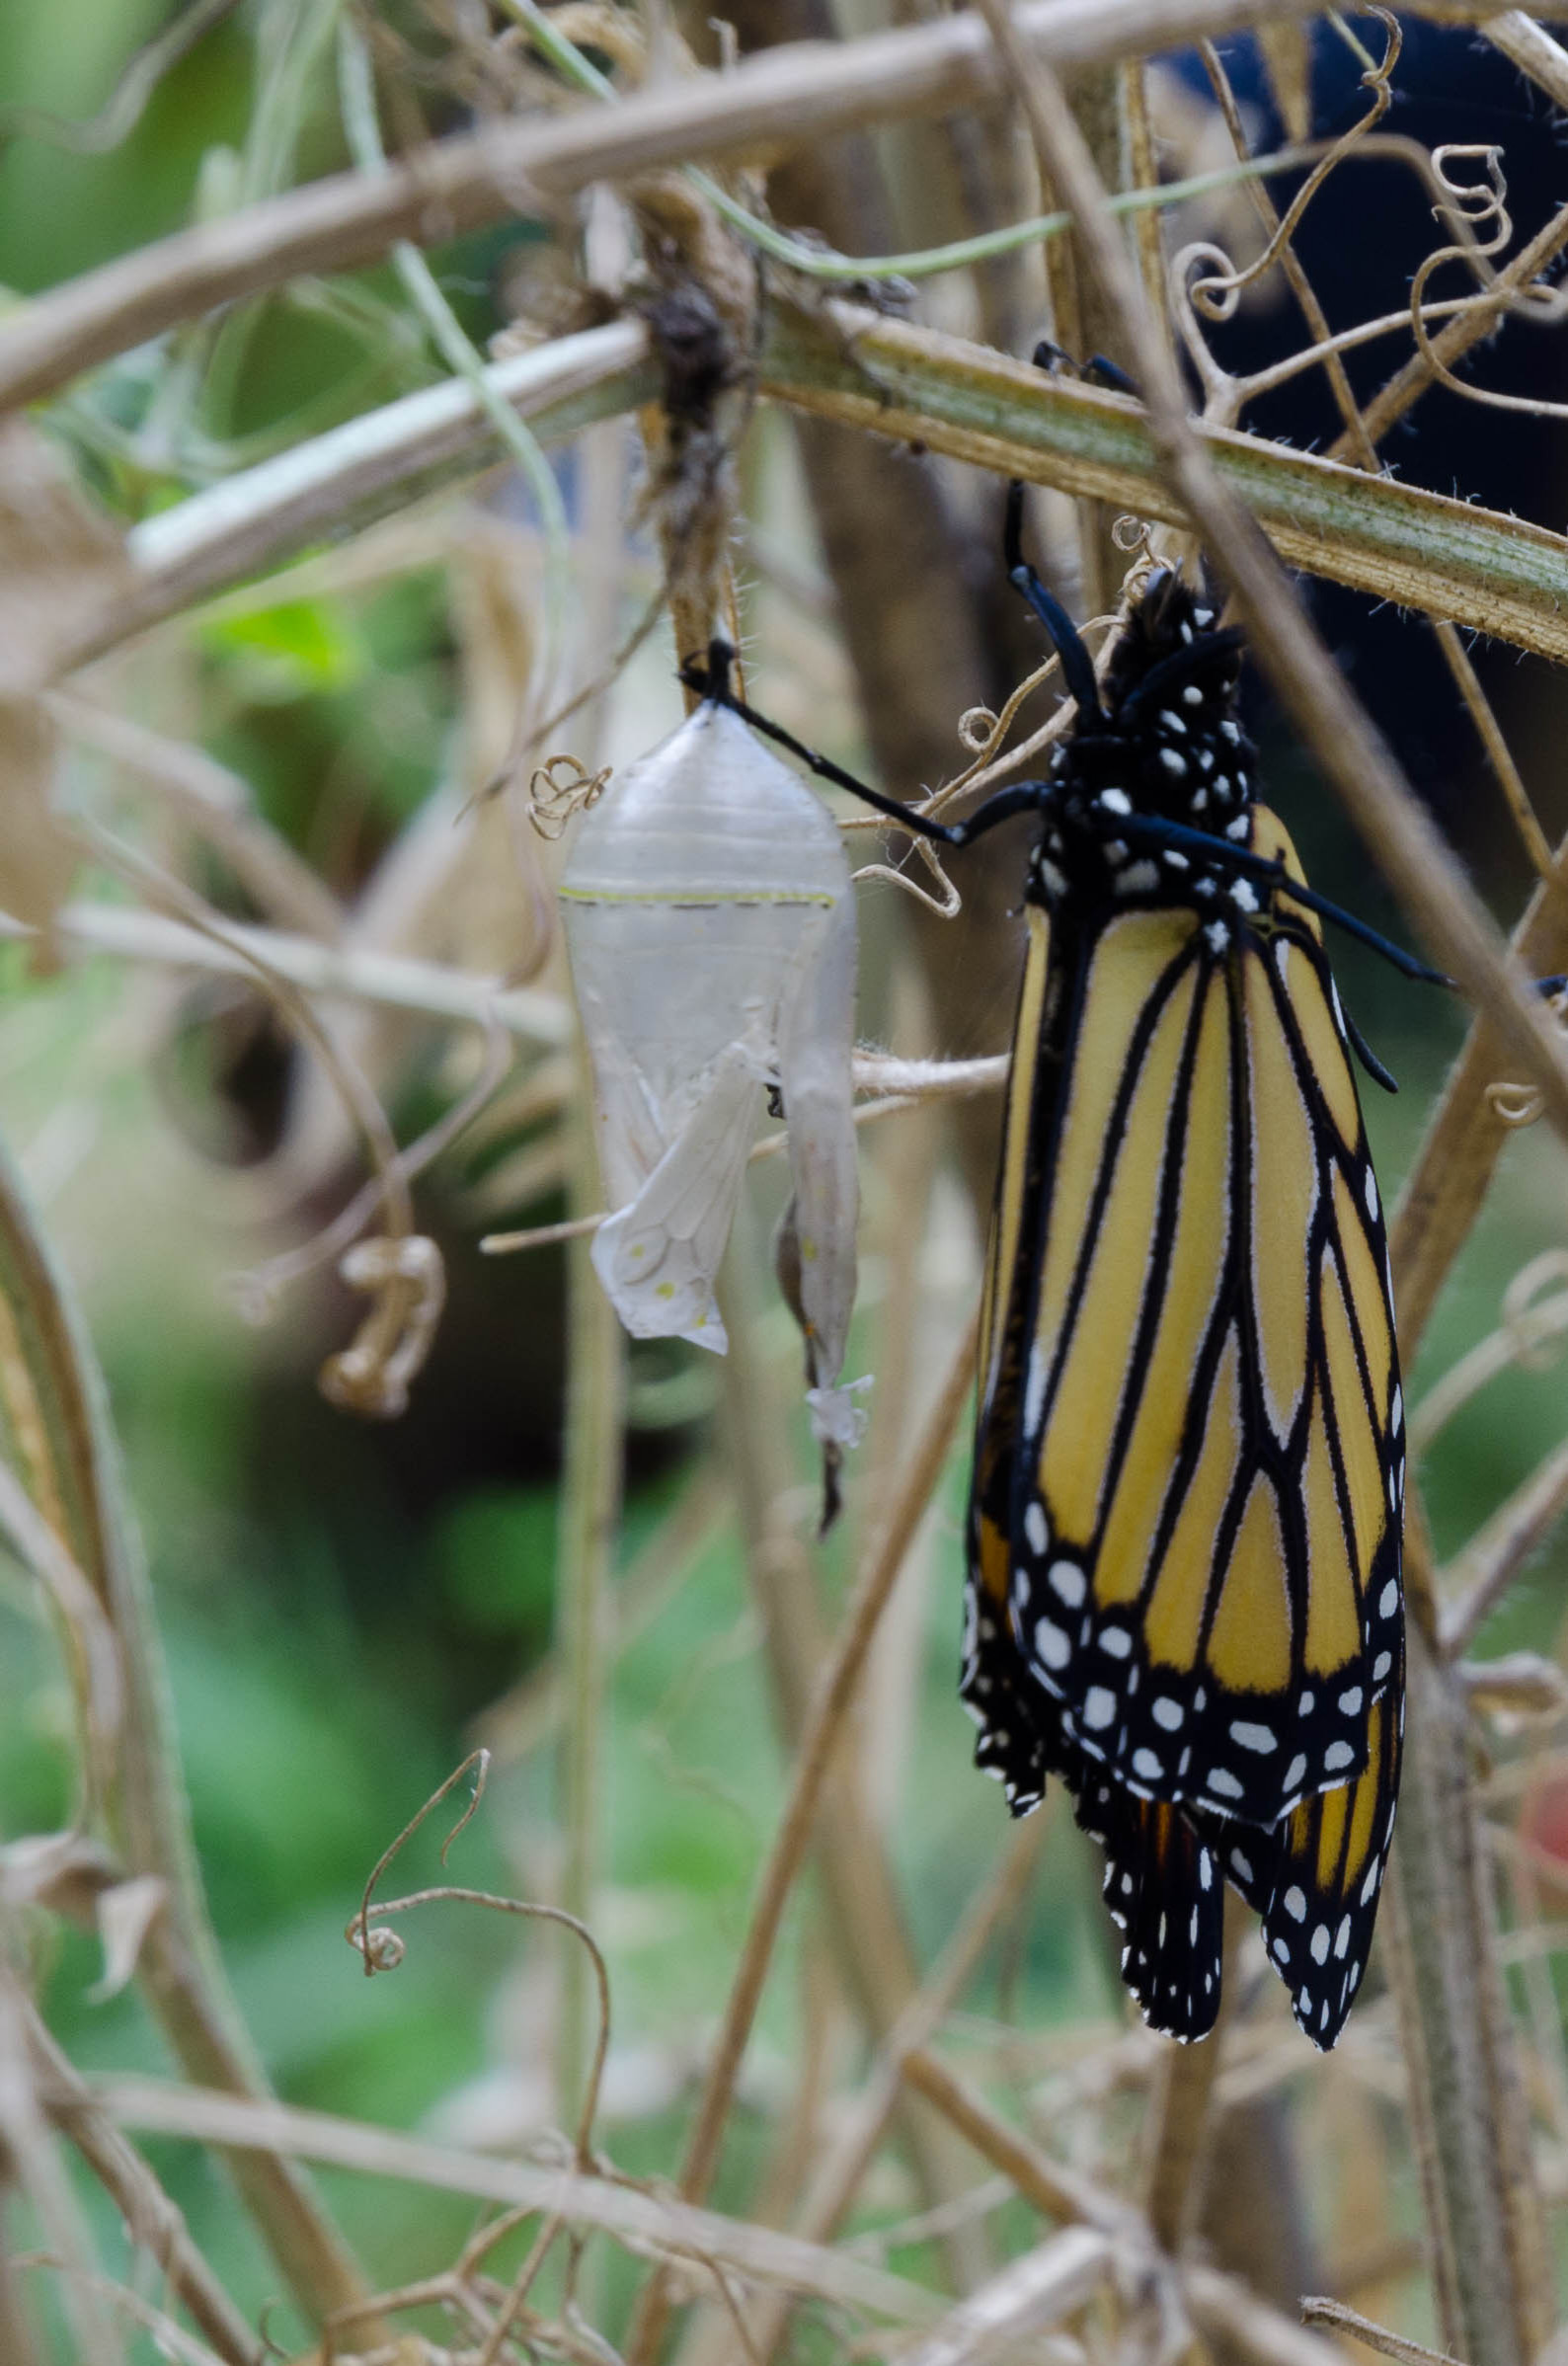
x=341, y=1604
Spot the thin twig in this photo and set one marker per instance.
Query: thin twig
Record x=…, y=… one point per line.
x=1334, y=2312
x=640, y=2219
x=395, y=980
x=1477, y=1579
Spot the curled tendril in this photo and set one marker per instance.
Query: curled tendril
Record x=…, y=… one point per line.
x=1479, y=210
x=559, y=788
x=946, y=902
x=383, y=1950
x=1132, y=535
x=1518, y=1105
x=978, y=727
x=1216, y=297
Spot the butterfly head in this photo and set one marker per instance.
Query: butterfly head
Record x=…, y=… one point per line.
x=1165, y=744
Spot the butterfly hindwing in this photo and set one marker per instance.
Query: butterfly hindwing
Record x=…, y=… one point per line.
x=1165, y=1892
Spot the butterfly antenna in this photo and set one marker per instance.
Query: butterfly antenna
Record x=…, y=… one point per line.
x=1077, y=665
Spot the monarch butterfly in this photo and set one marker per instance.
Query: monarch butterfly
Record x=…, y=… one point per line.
x=1183, y=1593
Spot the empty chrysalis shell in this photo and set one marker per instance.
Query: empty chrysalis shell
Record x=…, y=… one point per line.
x=711, y=926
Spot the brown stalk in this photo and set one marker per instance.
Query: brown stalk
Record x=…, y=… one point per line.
x=813, y=1760
x=1053, y=2191
x=1453, y=1167
x=1182, y=2115
x=1468, y=2116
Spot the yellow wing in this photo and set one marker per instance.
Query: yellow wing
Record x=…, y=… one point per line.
x=1190, y=1463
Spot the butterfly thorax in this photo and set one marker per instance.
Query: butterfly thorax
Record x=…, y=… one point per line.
x=1167, y=747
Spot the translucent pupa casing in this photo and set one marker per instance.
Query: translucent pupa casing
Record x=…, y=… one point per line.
x=711, y=925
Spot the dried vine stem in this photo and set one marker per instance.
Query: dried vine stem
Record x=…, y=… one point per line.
x=1424, y=550
x=813, y=1760
x=1478, y=1577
